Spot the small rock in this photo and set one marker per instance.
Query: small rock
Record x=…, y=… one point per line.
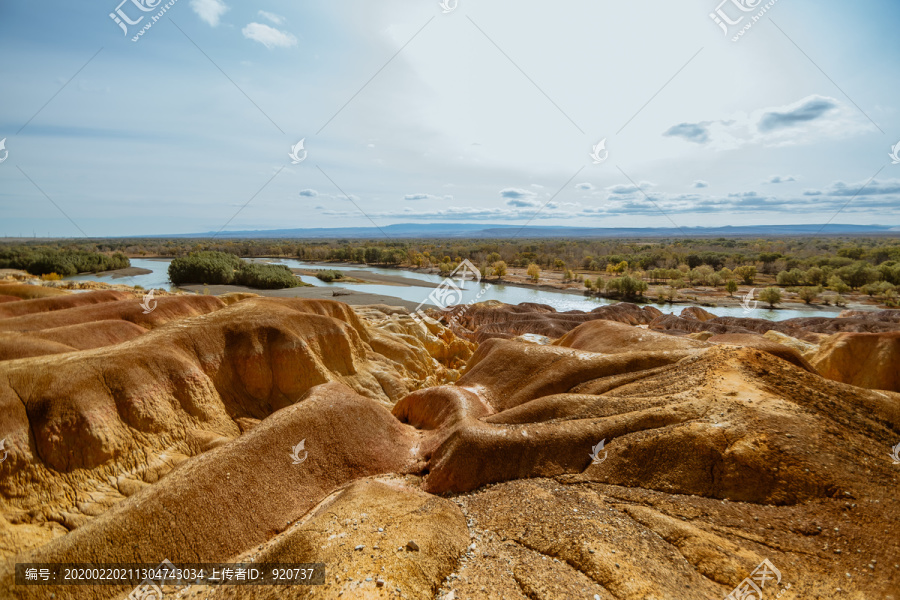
x=360, y=547
x=412, y=546
x=379, y=583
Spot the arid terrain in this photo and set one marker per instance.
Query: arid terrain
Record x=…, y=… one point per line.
x=497, y=452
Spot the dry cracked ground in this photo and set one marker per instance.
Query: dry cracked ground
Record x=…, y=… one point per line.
x=452, y=463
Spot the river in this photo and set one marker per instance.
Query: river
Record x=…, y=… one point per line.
x=509, y=294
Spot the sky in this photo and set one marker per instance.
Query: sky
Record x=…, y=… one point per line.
x=584, y=113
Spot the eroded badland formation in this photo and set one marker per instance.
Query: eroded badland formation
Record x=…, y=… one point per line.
x=454, y=462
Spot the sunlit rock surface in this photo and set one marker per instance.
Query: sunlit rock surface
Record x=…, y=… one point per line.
x=592, y=457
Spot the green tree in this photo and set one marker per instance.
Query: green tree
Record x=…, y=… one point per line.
x=809, y=294
x=771, y=295
x=747, y=273
x=731, y=287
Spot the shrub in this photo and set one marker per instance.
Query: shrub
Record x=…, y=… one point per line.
x=62, y=262
x=771, y=295
x=329, y=275
x=534, y=272
x=747, y=273
x=628, y=287
x=809, y=294
x=837, y=284
x=792, y=277
x=221, y=268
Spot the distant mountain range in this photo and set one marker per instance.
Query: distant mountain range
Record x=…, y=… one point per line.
x=468, y=230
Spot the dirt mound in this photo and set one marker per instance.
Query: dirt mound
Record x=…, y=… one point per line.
x=888, y=316
x=170, y=308
x=703, y=426
x=363, y=534
x=59, y=303
x=27, y=291
x=620, y=463
x=610, y=337
x=258, y=489
x=697, y=313
x=804, y=328
x=489, y=320
x=74, y=419
x=676, y=325
x=766, y=345
x=869, y=360
x=67, y=339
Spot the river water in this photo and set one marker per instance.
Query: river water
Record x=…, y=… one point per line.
x=159, y=279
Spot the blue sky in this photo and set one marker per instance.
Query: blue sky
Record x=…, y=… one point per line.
x=486, y=113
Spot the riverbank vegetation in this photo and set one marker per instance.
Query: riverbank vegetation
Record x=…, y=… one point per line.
x=51, y=261
x=221, y=268
x=815, y=269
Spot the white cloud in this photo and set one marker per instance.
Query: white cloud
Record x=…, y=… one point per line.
x=515, y=193
x=809, y=120
x=426, y=197
x=268, y=36
x=309, y=193
x=210, y=11
x=277, y=19
x=780, y=179
x=584, y=186
x=699, y=184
